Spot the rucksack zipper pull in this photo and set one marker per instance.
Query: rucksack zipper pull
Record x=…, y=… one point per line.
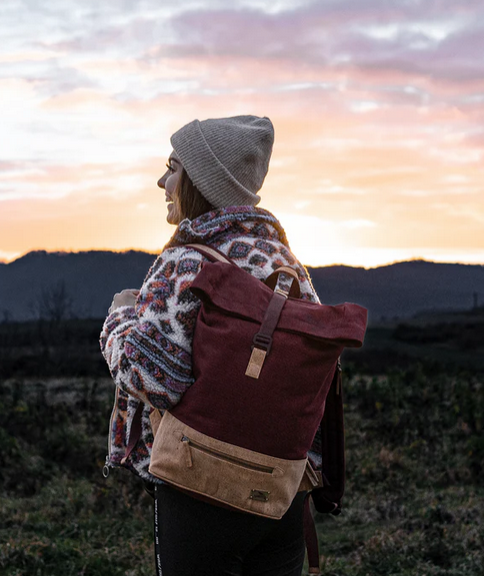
x=188, y=451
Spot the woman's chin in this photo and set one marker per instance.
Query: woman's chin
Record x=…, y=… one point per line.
x=172, y=216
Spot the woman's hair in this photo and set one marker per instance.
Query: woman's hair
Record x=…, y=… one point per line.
x=191, y=203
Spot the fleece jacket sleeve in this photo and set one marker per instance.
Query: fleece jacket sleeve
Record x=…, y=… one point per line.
x=148, y=347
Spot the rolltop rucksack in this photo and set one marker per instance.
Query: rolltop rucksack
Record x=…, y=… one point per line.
x=267, y=376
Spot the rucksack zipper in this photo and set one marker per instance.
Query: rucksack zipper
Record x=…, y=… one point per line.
x=189, y=443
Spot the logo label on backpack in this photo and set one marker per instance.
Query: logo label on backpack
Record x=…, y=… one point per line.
x=259, y=495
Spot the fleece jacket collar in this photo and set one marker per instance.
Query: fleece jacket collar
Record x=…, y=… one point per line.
x=211, y=226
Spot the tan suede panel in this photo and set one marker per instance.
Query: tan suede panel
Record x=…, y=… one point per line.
x=155, y=419
x=241, y=478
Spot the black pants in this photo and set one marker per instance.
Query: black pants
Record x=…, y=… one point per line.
x=194, y=538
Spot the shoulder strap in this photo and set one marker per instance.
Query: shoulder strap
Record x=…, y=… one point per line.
x=211, y=253
x=216, y=255
x=311, y=539
x=328, y=498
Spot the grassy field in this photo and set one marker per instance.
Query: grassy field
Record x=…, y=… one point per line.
x=415, y=498
x=414, y=503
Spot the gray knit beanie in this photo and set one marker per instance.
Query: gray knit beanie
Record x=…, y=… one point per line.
x=226, y=158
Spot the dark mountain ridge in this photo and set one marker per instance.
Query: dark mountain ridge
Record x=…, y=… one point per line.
x=402, y=289
x=88, y=280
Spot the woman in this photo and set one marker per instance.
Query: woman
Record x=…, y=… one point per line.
x=211, y=184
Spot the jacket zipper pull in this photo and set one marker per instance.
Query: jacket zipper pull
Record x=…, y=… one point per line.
x=188, y=452
x=106, y=467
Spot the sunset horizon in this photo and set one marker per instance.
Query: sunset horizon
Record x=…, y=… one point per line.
x=155, y=253
x=378, y=114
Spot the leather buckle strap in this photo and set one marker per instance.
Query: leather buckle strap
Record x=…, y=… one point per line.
x=263, y=339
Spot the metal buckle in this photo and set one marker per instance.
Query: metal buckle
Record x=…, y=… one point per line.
x=262, y=341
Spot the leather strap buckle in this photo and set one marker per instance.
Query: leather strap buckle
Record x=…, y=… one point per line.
x=263, y=342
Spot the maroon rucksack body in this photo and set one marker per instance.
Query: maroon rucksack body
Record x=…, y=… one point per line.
x=279, y=412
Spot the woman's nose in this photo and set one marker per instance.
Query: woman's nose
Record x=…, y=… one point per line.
x=161, y=182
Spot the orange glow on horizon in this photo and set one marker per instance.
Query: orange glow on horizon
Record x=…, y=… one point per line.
x=376, y=158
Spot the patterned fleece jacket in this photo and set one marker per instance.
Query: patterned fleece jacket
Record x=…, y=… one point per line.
x=148, y=347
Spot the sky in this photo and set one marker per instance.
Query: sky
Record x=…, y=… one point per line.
x=378, y=108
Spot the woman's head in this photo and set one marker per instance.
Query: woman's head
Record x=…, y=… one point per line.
x=226, y=158
x=216, y=163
